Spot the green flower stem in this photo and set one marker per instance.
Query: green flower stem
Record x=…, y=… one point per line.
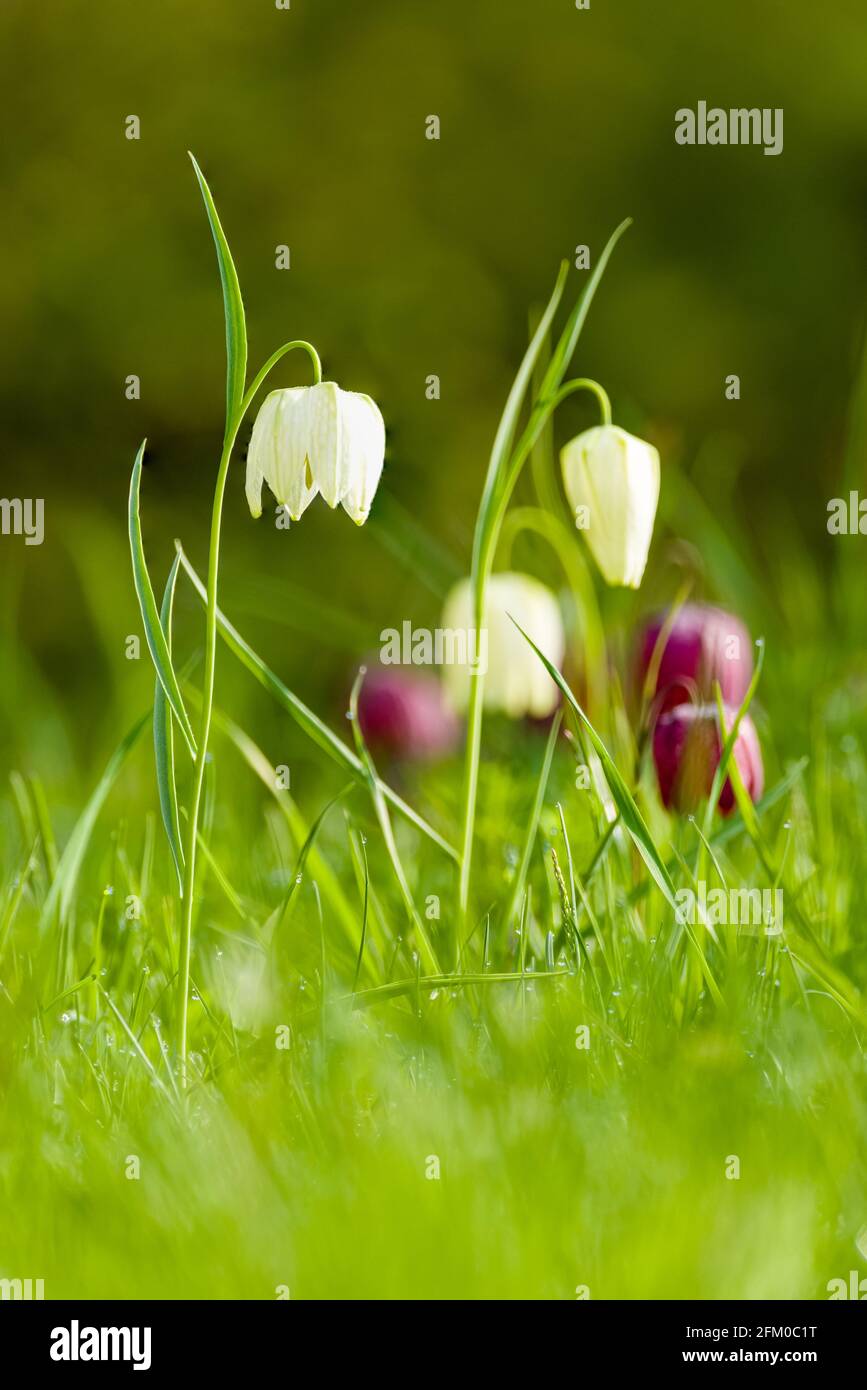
x=586, y=383
x=483, y=560
x=232, y=428
x=272, y=362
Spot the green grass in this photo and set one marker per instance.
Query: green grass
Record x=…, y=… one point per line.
x=306, y=1166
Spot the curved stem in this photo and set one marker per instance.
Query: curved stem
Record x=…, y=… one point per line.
x=232, y=428
x=272, y=362
x=585, y=383
x=535, y=425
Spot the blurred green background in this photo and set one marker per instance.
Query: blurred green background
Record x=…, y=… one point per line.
x=408, y=257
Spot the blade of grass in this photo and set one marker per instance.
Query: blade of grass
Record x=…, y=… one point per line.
x=427, y=950
x=43, y=820
x=307, y=721
x=257, y=761
x=533, y=823
x=154, y=635
x=630, y=815
x=62, y=891
x=303, y=854
x=395, y=988
x=728, y=744
x=231, y=894
x=734, y=826
x=362, y=849
x=157, y=1080
x=16, y=893
x=164, y=740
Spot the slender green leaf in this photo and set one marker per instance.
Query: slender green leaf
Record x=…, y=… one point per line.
x=533, y=823
x=504, y=438
x=154, y=635
x=16, y=893
x=734, y=826
x=625, y=802
x=630, y=815
x=304, y=717
x=233, y=308
x=565, y=349
x=136, y=1045
x=64, y=883
x=361, y=850
x=43, y=820
x=427, y=951
x=231, y=894
x=729, y=739
x=164, y=740
x=319, y=866
x=429, y=983
x=298, y=871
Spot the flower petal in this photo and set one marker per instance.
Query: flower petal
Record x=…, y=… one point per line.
x=362, y=438
x=515, y=680
x=324, y=446
x=292, y=483
x=278, y=452
x=260, y=454
x=616, y=477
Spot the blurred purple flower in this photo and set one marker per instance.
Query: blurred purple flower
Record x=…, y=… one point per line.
x=405, y=714
x=687, y=749
x=706, y=644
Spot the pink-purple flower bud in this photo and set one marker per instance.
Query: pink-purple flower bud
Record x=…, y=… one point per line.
x=706, y=644
x=406, y=715
x=687, y=748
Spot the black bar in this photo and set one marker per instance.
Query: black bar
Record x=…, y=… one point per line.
x=240, y=1337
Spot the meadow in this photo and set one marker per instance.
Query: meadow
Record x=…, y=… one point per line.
x=353, y=1060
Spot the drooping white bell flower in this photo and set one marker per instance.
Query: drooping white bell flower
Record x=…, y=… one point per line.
x=310, y=439
x=516, y=682
x=612, y=483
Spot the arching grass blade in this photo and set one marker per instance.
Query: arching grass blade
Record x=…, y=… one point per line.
x=150, y=617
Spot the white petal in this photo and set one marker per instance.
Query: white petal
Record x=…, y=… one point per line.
x=278, y=452
x=514, y=668
x=516, y=681
x=643, y=466
x=362, y=438
x=260, y=454
x=292, y=481
x=616, y=477
x=324, y=447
